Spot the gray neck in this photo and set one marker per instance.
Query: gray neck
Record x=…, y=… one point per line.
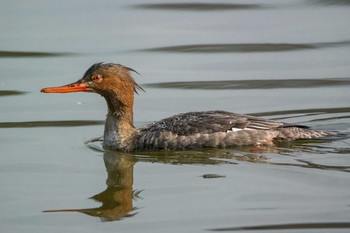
x=119, y=129
x=118, y=132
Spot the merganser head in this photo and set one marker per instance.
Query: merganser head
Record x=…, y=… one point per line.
x=100, y=78
x=112, y=81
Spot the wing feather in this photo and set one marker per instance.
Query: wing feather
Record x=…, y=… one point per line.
x=211, y=122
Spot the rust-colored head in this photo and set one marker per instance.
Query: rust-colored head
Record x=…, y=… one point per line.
x=112, y=81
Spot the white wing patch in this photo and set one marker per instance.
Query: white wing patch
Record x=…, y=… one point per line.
x=238, y=129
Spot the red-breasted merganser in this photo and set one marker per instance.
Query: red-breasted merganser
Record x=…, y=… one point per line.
x=208, y=129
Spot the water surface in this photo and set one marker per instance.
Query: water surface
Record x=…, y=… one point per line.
x=284, y=60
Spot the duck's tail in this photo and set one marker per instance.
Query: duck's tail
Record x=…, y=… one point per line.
x=295, y=132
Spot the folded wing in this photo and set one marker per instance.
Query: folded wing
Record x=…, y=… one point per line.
x=211, y=122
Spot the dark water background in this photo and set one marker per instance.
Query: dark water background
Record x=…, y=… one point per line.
x=287, y=60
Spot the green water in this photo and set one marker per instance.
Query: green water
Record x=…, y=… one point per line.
x=286, y=60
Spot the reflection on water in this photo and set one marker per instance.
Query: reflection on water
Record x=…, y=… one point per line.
x=193, y=6
x=199, y=157
x=117, y=199
x=237, y=189
x=250, y=47
x=11, y=92
x=309, y=149
x=17, y=54
x=198, y=6
x=212, y=176
x=32, y=124
x=313, y=111
x=330, y=2
x=290, y=226
x=254, y=84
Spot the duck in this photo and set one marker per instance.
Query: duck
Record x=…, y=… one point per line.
x=191, y=130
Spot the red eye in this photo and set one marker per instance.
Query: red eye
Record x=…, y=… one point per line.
x=95, y=78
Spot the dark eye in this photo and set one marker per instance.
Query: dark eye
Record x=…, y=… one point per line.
x=96, y=78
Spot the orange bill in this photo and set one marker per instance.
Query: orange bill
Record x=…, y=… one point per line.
x=73, y=87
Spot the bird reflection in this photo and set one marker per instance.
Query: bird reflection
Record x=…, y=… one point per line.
x=117, y=199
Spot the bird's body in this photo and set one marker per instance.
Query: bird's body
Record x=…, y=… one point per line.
x=208, y=129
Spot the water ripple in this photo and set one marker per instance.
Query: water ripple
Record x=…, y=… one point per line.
x=254, y=84
x=315, y=111
x=295, y=226
x=245, y=47
x=331, y=2
x=198, y=6
x=31, y=54
x=11, y=92
x=32, y=124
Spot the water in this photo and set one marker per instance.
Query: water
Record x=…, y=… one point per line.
x=286, y=60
